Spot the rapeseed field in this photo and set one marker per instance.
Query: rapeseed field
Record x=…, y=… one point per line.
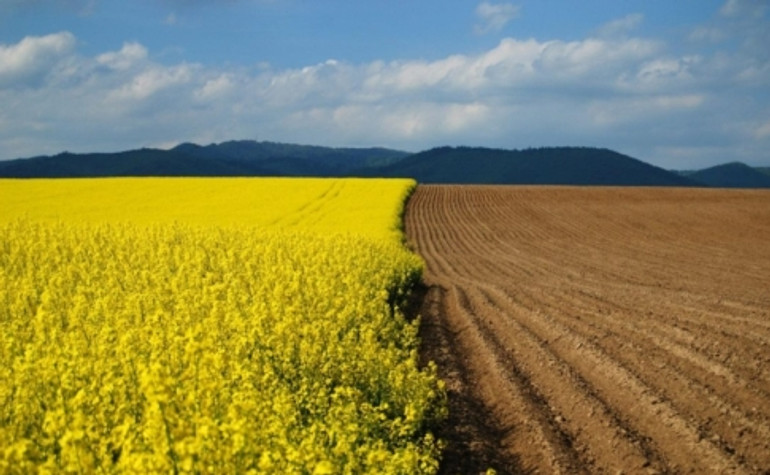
x=210, y=326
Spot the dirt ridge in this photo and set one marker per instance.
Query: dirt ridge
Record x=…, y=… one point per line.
x=598, y=330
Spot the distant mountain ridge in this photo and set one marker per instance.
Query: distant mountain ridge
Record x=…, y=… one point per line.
x=291, y=159
x=540, y=166
x=461, y=165
x=731, y=175
x=234, y=158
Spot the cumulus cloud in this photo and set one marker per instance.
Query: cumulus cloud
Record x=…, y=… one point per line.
x=149, y=82
x=130, y=55
x=28, y=61
x=493, y=17
x=665, y=74
x=616, y=91
x=218, y=87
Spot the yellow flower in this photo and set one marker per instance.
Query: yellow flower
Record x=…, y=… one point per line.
x=247, y=326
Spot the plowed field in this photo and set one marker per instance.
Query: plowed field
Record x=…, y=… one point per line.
x=598, y=330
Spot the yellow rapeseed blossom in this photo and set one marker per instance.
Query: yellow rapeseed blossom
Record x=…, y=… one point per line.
x=368, y=207
x=210, y=326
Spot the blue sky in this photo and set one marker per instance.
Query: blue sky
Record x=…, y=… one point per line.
x=682, y=84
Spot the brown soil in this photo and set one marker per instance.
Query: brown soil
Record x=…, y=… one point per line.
x=598, y=330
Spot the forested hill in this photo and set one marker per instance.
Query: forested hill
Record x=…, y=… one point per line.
x=732, y=175
x=535, y=166
x=552, y=166
x=235, y=158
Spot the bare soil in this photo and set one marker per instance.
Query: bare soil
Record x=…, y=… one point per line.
x=598, y=330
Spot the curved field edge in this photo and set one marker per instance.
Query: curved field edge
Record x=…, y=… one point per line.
x=157, y=347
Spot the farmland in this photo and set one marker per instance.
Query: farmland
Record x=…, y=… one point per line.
x=365, y=207
x=256, y=325
x=598, y=330
x=208, y=325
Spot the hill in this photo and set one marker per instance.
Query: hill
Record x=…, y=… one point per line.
x=142, y=162
x=236, y=158
x=731, y=175
x=293, y=160
x=459, y=165
x=541, y=166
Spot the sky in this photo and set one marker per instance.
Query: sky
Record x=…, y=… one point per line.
x=680, y=84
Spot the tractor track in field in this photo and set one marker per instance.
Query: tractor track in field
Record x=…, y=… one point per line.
x=598, y=330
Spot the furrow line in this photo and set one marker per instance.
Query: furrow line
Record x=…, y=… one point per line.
x=674, y=438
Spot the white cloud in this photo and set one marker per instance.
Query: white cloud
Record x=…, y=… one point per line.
x=666, y=73
x=216, y=88
x=512, y=63
x=494, y=16
x=631, y=94
x=150, y=82
x=595, y=58
x=131, y=54
x=28, y=61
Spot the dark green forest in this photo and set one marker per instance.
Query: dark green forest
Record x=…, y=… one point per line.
x=461, y=165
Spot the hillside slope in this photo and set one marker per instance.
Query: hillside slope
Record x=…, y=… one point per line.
x=292, y=159
x=451, y=165
x=236, y=158
x=142, y=162
x=732, y=175
x=542, y=166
